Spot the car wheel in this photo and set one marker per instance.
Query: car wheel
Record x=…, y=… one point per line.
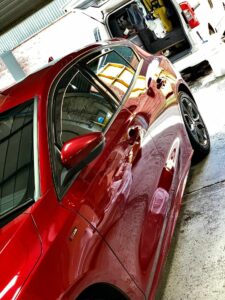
x=195, y=126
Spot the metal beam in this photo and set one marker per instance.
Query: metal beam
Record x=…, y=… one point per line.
x=13, y=12
x=13, y=66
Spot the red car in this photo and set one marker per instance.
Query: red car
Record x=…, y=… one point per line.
x=95, y=153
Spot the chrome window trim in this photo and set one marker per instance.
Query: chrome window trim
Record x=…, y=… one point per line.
x=36, y=152
x=127, y=94
x=129, y=90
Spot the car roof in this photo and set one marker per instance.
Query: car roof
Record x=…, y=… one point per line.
x=36, y=83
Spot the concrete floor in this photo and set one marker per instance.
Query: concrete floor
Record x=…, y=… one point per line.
x=195, y=267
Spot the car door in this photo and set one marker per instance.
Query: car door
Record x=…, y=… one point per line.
x=20, y=244
x=155, y=176
x=160, y=107
x=167, y=126
x=162, y=162
x=119, y=192
x=82, y=104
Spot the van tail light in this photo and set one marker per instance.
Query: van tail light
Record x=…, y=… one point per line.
x=189, y=14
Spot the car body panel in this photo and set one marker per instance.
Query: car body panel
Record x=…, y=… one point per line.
x=18, y=258
x=118, y=194
x=114, y=223
x=73, y=256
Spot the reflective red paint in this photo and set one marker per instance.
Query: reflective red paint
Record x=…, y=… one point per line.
x=113, y=224
x=76, y=150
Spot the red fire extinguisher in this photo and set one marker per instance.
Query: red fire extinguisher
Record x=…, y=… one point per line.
x=189, y=14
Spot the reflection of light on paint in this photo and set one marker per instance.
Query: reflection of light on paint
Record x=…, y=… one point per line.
x=146, y=139
x=109, y=115
x=160, y=127
x=8, y=286
x=165, y=124
x=120, y=76
x=153, y=69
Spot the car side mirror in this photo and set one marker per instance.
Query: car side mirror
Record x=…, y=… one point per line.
x=80, y=151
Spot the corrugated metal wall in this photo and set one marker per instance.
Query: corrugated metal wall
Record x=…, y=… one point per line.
x=12, y=12
x=32, y=25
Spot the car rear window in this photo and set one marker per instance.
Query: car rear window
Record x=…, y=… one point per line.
x=16, y=159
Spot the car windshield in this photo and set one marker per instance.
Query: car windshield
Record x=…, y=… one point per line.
x=16, y=159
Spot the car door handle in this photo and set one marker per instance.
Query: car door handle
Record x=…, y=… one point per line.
x=160, y=82
x=150, y=90
x=134, y=135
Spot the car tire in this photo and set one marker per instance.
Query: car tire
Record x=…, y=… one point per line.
x=195, y=126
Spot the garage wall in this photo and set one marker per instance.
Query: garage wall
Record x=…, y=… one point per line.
x=13, y=12
x=35, y=23
x=56, y=40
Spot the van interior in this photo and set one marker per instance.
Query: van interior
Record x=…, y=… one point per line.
x=157, y=29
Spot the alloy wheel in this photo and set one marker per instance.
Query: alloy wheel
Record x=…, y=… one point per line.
x=194, y=122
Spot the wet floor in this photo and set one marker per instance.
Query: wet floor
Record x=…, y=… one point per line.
x=195, y=267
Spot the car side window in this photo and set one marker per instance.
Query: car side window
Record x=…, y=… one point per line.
x=16, y=159
x=129, y=55
x=116, y=69
x=80, y=107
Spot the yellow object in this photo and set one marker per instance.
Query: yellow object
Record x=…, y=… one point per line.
x=162, y=14
x=120, y=77
x=159, y=11
x=150, y=4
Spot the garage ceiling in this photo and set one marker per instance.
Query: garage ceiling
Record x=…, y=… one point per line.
x=13, y=12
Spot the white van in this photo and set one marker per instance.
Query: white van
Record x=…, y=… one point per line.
x=187, y=32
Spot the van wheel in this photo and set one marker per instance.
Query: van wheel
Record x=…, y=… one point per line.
x=195, y=126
